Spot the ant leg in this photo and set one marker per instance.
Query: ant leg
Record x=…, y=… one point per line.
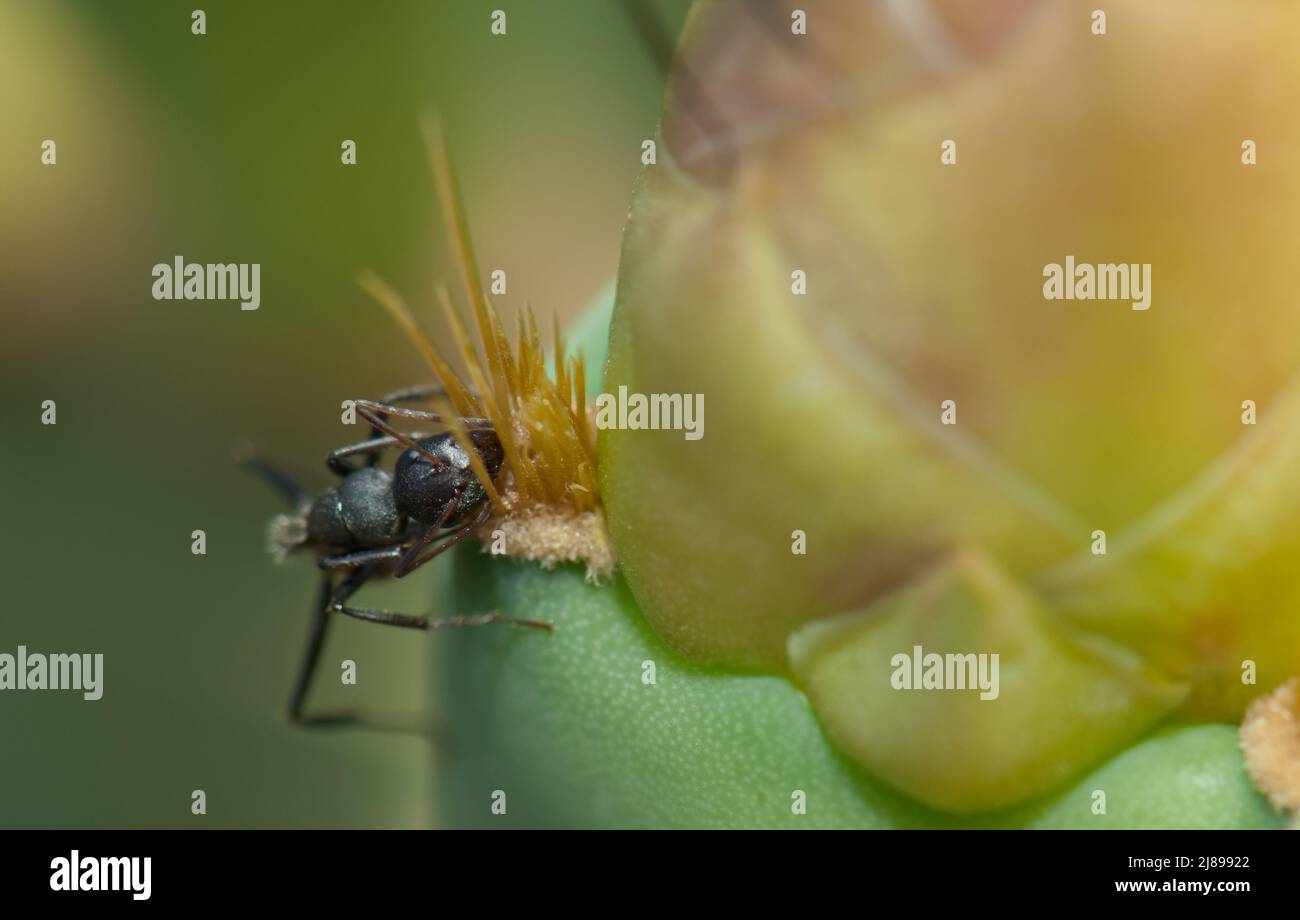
x=406, y=564
x=381, y=554
x=362, y=557
x=315, y=643
x=372, y=447
x=384, y=410
x=387, y=554
x=418, y=393
x=288, y=487
x=408, y=723
x=390, y=618
x=409, y=562
x=336, y=602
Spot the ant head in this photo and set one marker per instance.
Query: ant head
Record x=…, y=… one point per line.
x=424, y=490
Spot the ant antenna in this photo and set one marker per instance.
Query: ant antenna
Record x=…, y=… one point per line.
x=405, y=440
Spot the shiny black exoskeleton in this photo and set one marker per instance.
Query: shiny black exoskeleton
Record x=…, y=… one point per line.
x=371, y=508
x=449, y=492
x=376, y=523
x=358, y=513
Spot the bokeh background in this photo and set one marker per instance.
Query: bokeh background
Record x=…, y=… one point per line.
x=226, y=147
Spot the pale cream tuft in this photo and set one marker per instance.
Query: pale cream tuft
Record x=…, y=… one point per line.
x=552, y=534
x=1270, y=737
x=286, y=532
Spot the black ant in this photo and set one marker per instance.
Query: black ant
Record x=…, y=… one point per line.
x=374, y=523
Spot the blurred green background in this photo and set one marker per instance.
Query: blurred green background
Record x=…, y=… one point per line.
x=226, y=148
